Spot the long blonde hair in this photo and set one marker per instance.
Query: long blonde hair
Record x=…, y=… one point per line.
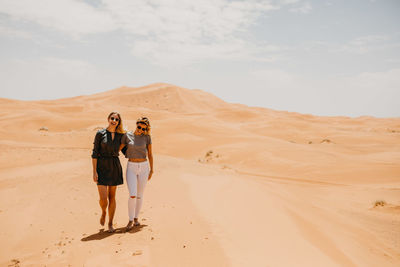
x=145, y=121
x=120, y=128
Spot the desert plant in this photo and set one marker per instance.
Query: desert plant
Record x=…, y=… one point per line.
x=380, y=203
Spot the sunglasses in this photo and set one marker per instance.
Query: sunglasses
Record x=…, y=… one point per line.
x=114, y=119
x=142, y=128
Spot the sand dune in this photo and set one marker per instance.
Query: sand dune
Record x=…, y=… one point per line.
x=233, y=185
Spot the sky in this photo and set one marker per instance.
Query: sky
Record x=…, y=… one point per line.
x=323, y=57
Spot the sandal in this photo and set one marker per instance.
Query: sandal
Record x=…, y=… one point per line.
x=136, y=223
x=129, y=226
x=111, y=228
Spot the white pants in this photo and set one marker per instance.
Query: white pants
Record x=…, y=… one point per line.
x=137, y=174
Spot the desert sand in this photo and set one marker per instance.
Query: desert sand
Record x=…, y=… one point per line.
x=233, y=185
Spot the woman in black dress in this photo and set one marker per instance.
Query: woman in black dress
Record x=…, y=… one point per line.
x=107, y=170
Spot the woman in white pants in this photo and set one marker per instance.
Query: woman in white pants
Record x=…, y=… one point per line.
x=138, y=171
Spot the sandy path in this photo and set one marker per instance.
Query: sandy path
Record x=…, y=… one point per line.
x=52, y=213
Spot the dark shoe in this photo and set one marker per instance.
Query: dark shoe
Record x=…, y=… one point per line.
x=129, y=226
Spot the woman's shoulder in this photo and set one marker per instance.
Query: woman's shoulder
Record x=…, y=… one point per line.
x=128, y=134
x=101, y=131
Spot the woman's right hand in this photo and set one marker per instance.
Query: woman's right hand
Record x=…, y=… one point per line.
x=95, y=177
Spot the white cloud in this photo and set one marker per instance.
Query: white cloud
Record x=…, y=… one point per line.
x=69, y=16
x=178, y=32
x=289, y=1
x=366, y=44
x=179, y=54
x=15, y=33
x=357, y=46
x=52, y=77
x=379, y=81
x=365, y=81
x=191, y=19
x=64, y=66
x=302, y=8
x=207, y=18
x=164, y=32
x=368, y=93
x=275, y=78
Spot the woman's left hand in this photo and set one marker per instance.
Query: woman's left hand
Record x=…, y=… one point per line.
x=150, y=174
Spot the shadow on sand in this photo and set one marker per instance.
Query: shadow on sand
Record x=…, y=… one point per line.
x=103, y=234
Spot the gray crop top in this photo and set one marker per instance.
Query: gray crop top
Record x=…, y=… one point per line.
x=136, y=145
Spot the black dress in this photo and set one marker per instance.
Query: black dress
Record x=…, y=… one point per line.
x=106, y=150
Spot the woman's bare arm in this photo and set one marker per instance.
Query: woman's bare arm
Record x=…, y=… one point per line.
x=150, y=155
x=94, y=164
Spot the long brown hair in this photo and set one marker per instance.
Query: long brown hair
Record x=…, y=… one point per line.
x=120, y=128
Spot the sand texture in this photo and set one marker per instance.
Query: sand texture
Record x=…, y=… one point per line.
x=233, y=185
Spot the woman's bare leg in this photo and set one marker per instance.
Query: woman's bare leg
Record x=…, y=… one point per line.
x=111, y=206
x=103, y=202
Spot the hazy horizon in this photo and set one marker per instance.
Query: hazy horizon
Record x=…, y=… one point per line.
x=329, y=58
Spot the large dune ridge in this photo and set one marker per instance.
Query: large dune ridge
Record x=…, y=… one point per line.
x=233, y=185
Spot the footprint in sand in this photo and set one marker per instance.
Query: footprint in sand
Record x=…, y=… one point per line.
x=14, y=263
